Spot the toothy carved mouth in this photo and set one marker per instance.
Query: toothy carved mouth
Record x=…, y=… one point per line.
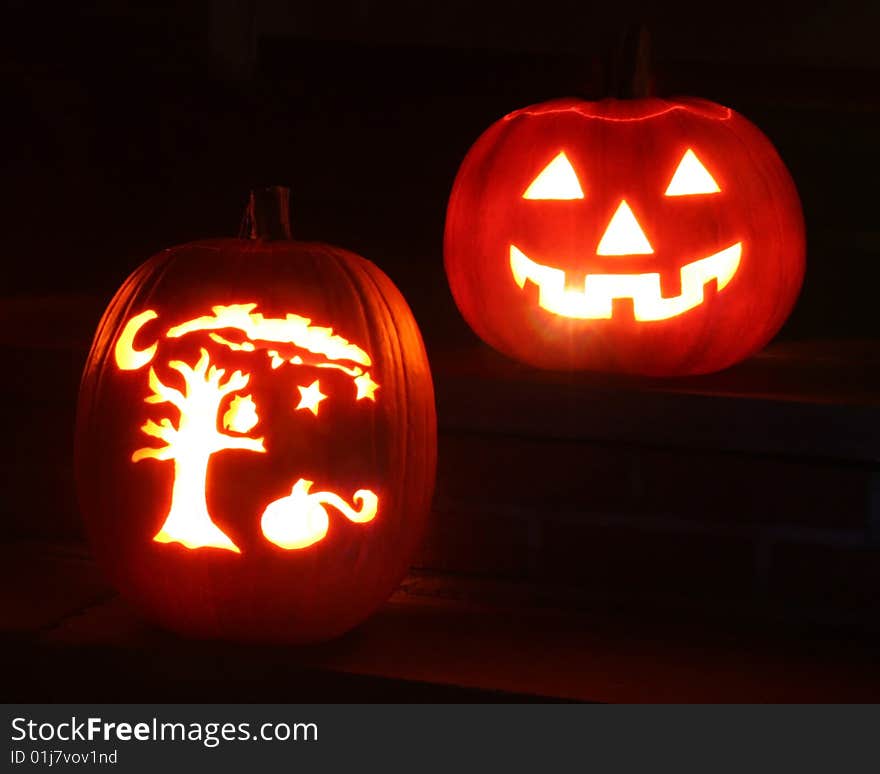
x=594, y=302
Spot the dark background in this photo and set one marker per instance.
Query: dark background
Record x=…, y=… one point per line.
x=131, y=127
x=711, y=538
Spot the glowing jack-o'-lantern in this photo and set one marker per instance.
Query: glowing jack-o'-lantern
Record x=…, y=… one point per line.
x=256, y=438
x=644, y=236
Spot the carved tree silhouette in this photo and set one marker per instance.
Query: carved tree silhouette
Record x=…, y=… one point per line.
x=190, y=444
x=294, y=521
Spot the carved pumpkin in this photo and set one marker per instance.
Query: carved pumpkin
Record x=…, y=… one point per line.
x=644, y=236
x=256, y=439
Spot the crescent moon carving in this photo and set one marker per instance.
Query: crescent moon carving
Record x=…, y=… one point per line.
x=127, y=357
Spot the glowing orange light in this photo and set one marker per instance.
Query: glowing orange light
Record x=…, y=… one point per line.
x=594, y=302
x=127, y=357
x=291, y=329
x=194, y=438
x=311, y=397
x=624, y=235
x=191, y=445
x=300, y=520
x=366, y=387
x=691, y=178
x=241, y=417
x=556, y=181
x=244, y=346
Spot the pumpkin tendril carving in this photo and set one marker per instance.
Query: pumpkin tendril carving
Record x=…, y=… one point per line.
x=299, y=519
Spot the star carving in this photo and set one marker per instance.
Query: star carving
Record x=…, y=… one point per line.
x=310, y=397
x=366, y=387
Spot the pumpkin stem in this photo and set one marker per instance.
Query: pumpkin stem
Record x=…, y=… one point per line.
x=630, y=75
x=267, y=215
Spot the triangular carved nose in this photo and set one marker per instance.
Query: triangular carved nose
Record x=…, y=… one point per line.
x=624, y=235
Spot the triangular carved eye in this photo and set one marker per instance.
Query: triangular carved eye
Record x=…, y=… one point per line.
x=691, y=177
x=556, y=181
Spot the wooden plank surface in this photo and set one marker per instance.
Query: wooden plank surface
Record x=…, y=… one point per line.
x=815, y=402
x=446, y=632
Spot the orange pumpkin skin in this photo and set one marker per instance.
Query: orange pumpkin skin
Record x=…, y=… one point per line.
x=356, y=438
x=625, y=150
